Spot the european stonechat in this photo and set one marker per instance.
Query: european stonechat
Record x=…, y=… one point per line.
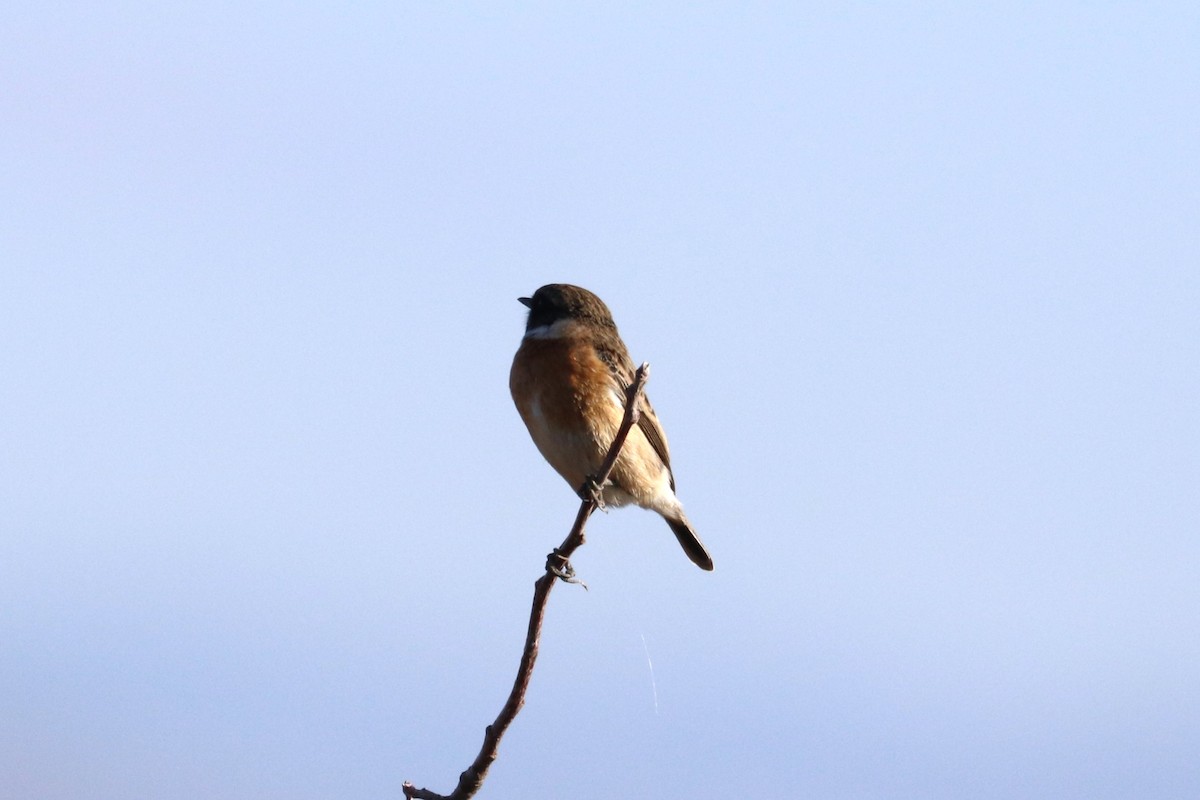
x=569, y=380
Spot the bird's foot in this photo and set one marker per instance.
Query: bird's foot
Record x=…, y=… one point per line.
x=558, y=566
x=593, y=491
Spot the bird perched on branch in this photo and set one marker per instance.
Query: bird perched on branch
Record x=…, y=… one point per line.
x=569, y=380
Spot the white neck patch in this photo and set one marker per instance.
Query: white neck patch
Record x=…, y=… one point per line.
x=555, y=330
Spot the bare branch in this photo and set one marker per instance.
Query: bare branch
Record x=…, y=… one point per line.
x=471, y=780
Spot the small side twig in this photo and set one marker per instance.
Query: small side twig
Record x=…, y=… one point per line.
x=471, y=780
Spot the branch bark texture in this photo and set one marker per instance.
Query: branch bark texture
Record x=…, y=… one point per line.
x=471, y=779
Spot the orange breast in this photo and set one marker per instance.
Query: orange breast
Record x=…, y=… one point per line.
x=564, y=394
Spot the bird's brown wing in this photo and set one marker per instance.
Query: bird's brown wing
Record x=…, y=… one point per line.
x=648, y=422
x=621, y=367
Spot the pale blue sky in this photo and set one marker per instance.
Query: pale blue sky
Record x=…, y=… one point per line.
x=919, y=285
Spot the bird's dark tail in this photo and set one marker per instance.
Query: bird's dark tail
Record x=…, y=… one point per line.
x=690, y=542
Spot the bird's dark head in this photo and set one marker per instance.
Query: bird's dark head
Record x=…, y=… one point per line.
x=562, y=302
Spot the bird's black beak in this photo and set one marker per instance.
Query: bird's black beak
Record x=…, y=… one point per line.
x=526, y=301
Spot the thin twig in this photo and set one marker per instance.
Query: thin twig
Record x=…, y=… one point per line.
x=471, y=780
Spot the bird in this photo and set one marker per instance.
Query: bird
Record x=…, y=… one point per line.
x=569, y=381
